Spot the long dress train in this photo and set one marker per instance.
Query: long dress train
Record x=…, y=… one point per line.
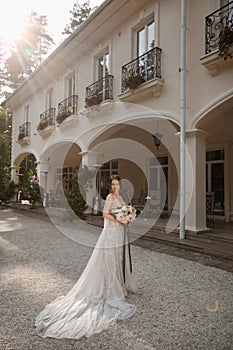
x=97, y=300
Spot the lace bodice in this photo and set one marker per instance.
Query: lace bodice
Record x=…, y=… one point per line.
x=118, y=202
x=111, y=203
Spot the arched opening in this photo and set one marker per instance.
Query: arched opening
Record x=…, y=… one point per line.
x=57, y=167
x=24, y=175
x=27, y=168
x=129, y=150
x=218, y=124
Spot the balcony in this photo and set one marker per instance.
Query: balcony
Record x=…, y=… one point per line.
x=218, y=39
x=66, y=108
x=47, y=125
x=100, y=91
x=24, y=137
x=142, y=75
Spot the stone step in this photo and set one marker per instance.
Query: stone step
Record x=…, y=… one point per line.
x=220, y=247
x=211, y=238
x=217, y=249
x=95, y=220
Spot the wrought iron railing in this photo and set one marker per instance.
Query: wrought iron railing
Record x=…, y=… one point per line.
x=142, y=69
x=69, y=105
x=24, y=131
x=217, y=24
x=101, y=90
x=47, y=118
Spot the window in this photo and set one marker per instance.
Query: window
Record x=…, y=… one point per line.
x=215, y=155
x=103, y=65
x=102, y=87
x=103, y=177
x=159, y=179
x=64, y=177
x=49, y=99
x=215, y=181
x=71, y=86
x=26, y=114
x=145, y=38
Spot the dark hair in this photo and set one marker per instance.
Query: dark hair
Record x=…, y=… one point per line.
x=114, y=177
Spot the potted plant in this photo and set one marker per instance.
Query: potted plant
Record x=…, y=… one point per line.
x=42, y=125
x=60, y=117
x=93, y=100
x=21, y=136
x=134, y=80
x=225, y=42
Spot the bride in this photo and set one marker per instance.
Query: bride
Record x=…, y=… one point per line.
x=97, y=300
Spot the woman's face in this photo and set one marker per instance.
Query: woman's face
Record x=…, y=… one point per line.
x=115, y=186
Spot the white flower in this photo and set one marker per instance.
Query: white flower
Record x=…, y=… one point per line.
x=125, y=214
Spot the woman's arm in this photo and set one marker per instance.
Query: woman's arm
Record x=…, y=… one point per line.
x=107, y=209
x=110, y=217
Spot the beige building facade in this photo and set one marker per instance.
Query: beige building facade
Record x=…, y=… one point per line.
x=101, y=97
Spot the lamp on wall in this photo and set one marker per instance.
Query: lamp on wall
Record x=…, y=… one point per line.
x=157, y=137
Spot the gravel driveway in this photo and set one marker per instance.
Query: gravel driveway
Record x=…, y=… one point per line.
x=182, y=304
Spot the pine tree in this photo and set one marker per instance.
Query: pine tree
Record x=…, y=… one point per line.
x=26, y=54
x=79, y=14
x=16, y=70
x=35, y=41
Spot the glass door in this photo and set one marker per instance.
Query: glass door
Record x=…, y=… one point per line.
x=102, y=72
x=103, y=177
x=145, y=38
x=159, y=181
x=215, y=179
x=71, y=86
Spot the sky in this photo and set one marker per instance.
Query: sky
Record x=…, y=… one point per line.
x=15, y=13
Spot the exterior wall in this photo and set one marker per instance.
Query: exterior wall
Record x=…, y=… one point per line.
x=201, y=90
x=208, y=97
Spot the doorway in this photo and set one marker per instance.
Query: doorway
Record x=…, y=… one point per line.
x=215, y=179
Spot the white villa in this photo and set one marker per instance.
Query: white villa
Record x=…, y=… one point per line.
x=101, y=97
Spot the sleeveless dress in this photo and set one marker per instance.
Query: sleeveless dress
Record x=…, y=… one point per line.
x=97, y=300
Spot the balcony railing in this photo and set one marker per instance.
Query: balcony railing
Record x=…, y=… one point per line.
x=219, y=29
x=24, y=131
x=47, y=118
x=67, y=107
x=101, y=90
x=142, y=69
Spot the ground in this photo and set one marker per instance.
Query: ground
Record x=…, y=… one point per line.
x=183, y=302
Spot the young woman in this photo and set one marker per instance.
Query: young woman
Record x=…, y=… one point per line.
x=97, y=300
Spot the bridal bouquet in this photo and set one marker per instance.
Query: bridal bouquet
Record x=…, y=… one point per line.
x=125, y=214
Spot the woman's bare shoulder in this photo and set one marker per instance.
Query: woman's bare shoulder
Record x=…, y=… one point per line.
x=109, y=197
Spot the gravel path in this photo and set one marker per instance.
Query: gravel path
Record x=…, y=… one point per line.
x=182, y=304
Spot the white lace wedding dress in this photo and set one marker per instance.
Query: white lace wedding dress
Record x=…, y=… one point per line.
x=97, y=300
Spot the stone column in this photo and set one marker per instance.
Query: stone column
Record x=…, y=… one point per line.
x=42, y=173
x=15, y=173
x=196, y=181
